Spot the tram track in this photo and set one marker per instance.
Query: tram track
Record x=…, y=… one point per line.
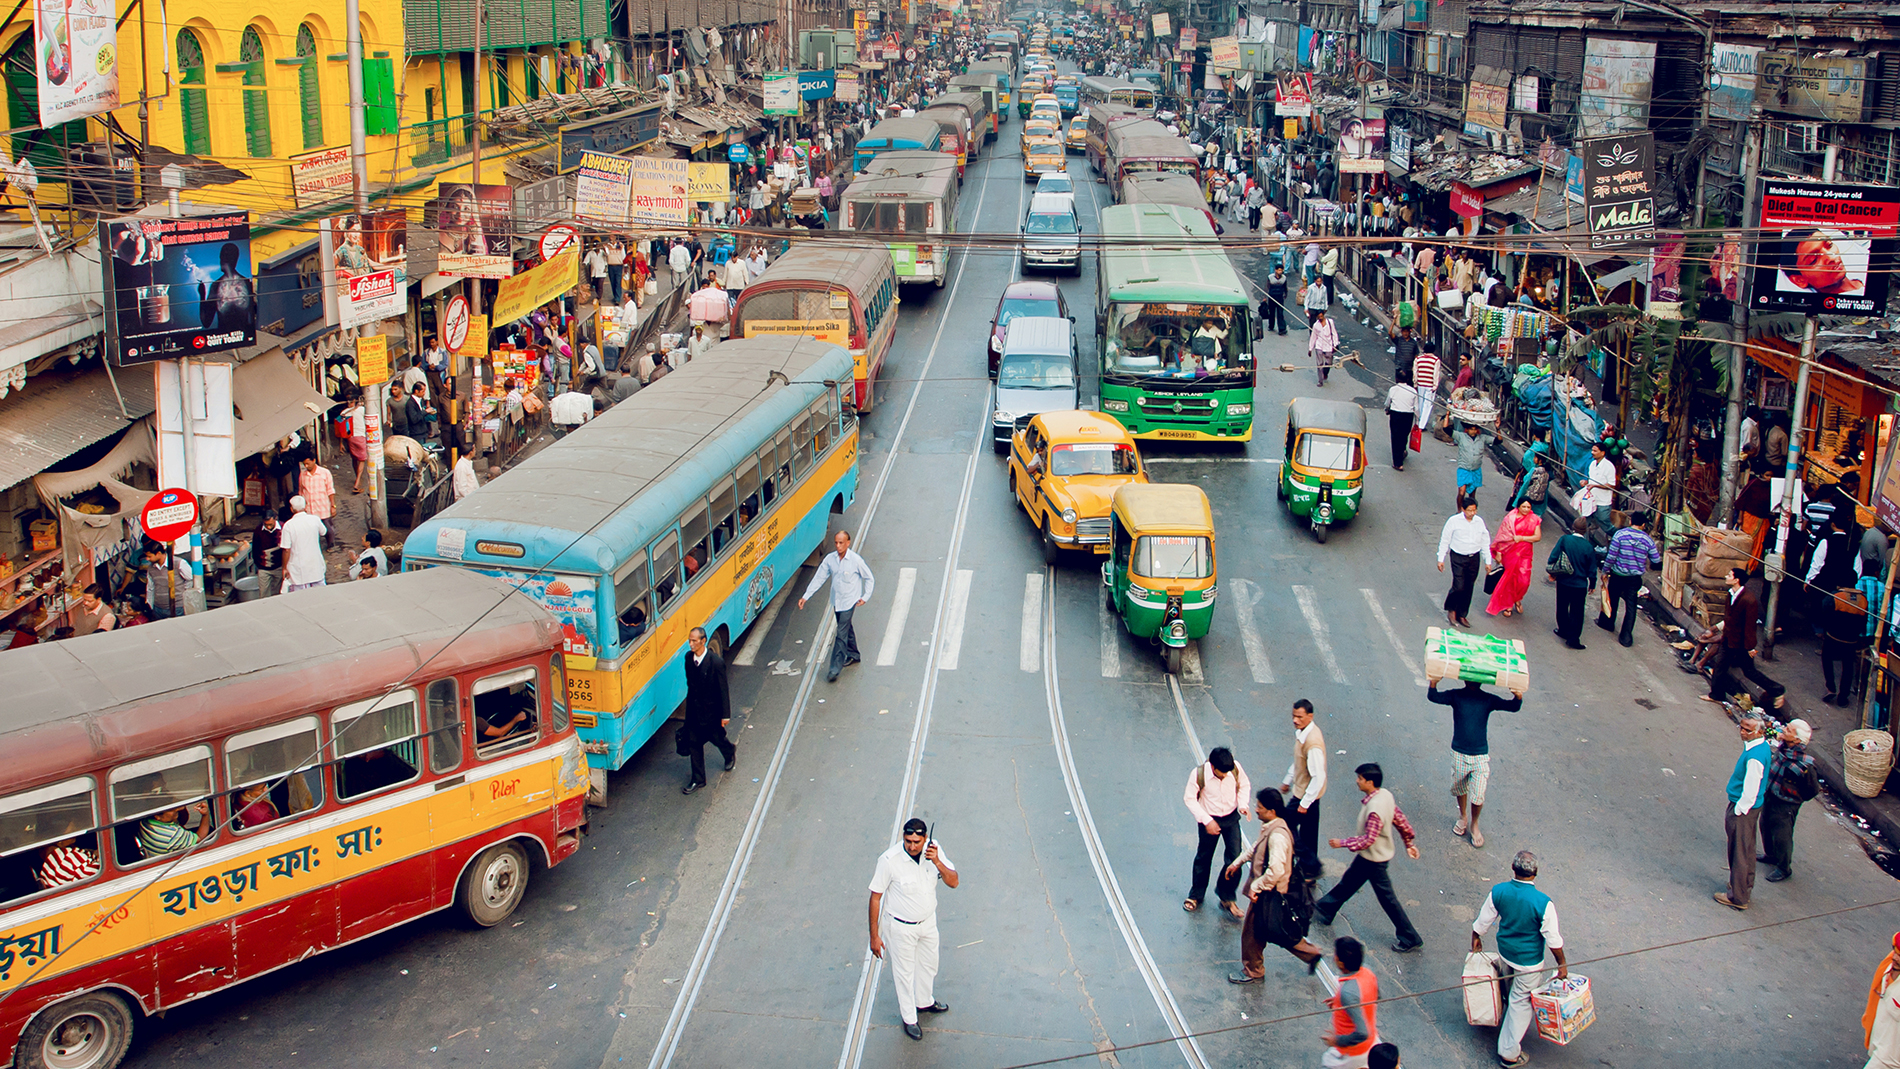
x=1118, y=906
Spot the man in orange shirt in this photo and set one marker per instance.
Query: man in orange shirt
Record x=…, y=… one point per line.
x=1355, y=997
x=319, y=492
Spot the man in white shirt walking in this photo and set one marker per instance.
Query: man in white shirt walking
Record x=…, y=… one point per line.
x=304, y=566
x=463, y=479
x=851, y=584
x=1600, y=481
x=1464, y=542
x=906, y=880
x=1304, y=785
x=1217, y=794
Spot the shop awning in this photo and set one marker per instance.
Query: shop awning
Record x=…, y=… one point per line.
x=56, y=414
x=272, y=399
x=23, y=340
x=1531, y=202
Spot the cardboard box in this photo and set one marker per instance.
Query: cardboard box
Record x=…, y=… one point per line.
x=1482, y=658
x=45, y=535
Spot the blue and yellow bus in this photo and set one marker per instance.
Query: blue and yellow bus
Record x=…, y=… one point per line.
x=690, y=504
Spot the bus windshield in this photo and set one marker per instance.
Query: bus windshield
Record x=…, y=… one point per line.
x=1178, y=340
x=1173, y=557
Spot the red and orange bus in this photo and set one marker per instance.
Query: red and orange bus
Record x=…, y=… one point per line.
x=199, y=801
x=835, y=290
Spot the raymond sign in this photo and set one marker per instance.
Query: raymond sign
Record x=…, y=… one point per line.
x=372, y=359
x=835, y=331
x=659, y=191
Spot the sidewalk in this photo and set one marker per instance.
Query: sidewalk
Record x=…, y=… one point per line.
x=1797, y=663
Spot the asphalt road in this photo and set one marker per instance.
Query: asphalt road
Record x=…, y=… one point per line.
x=728, y=927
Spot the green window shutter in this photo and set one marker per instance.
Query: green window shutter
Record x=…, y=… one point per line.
x=533, y=67
x=379, y=96
x=309, y=89
x=256, y=97
x=193, y=112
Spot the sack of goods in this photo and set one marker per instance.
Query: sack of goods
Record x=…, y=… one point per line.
x=1721, y=550
x=1563, y=1008
x=1481, y=658
x=1484, y=995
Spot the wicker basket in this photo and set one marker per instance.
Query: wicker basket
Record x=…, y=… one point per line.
x=1867, y=769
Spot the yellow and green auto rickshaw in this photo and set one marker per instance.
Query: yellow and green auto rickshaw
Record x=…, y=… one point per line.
x=1160, y=571
x=1324, y=473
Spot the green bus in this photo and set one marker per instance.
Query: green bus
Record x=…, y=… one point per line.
x=1174, y=327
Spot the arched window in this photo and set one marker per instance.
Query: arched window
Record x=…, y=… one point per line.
x=256, y=97
x=191, y=101
x=309, y=89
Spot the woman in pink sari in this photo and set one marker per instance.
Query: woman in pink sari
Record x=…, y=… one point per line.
x=1511, y=547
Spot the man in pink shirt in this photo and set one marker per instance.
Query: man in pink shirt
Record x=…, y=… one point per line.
x=318, y=490
x=1217, y=794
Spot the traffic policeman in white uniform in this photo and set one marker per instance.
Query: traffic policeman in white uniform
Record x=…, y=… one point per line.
x=906, y=881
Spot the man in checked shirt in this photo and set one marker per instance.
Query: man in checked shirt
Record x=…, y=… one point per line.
x=1373, y=848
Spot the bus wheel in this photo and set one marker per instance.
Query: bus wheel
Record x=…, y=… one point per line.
x=92, y=1031
x=494, y=885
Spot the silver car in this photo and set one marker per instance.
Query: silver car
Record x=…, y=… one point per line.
x=1052, y=233
x=1036, y=374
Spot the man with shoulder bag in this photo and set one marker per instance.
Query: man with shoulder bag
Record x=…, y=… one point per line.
x=1279, y=907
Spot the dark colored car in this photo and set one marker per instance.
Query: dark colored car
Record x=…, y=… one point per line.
x=1025, y=298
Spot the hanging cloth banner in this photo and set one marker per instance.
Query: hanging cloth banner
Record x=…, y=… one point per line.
x=536, y=286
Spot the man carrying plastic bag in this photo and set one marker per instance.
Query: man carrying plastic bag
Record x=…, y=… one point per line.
x=1526, y=920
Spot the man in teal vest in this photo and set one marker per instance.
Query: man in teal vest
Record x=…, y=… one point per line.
x=1526, y=920
x=1742, y=817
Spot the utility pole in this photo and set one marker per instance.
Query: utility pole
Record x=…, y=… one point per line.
x=1738, y=327
x=1775, y=561
x=475, y=175
x=375, y=400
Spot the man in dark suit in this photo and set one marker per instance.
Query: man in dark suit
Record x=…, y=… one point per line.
x=708, y=707
x=1738, y=643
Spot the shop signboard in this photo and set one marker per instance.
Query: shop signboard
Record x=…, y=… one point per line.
x=603, y=188
x=365, y=267
x=471, y=223
x=1619, y=189
x=1524, y=93
x=1617, y=77
x=1487, y=105
x=180, y=287
x=76, y=58
x=544, y=203
x=372, y=360
x=708, y=182
x=1224, y=53
x=1398, y=147
x=1573, y=177
x=1732, y=96
x=1190, y=39
x=781, y=94
x=1293, y=95
x=835, y=331
x=623, y=131
x=519, y=296
x=816, y=85
x=1161, y=27
x=1887, y=501
x=1466, y=201
x=1826, y=249
x=846, y=91
x=1822, y=87
x=659, y=191
x=320, y=177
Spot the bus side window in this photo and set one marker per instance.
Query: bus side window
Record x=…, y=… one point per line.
x=631, y=587
x=847, y=408
x=821, y=421
x=749, y=500
x=725, y=502
x=284, y=760
x=445, y=726
x=47, y=838
x=507, y=710
x=693, y=537
x=801, y=445
x=782, y=445
x=557, y=691
x=162, y=805
x=666, y=570
x=376, y=744
x=768, y=472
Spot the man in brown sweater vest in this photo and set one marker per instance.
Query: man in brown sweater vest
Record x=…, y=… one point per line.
x=1304, y=786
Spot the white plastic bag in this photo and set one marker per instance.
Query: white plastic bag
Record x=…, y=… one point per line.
x=1484, y=995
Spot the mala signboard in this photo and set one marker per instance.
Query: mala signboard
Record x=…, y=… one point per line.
x=1619, y=196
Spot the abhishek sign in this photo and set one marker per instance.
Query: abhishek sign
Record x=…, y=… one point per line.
x=1825, y=248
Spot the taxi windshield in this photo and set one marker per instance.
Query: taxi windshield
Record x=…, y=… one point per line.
x=1093, y=458
x=1330, y=451
x=1173, y=557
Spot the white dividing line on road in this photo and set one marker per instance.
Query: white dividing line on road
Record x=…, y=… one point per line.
x=1309, y=608
x=1392, y=636
x=950, y=647
x=749, y=650
x=1145, y=963
x=1031, y=656
x=1247, y=594
x=1655, y=685
x=694, y=978
x=900, y=611
x=1187, y=722
x=1111, y=640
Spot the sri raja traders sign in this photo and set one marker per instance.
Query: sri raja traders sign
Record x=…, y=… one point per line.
x=76, y=58
x=180, y=287
x=1619, y=196
x=1826, y=249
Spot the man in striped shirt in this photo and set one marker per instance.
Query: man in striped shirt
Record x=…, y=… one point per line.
x=64, y=862
x=1425, y=381
x=1632, y=552
x=163, y=833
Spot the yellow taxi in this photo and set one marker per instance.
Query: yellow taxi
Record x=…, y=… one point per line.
x=1044, y=129
x=1042, y=155
x=1046, y=106
x=1077, y=138
x=1064, y=469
